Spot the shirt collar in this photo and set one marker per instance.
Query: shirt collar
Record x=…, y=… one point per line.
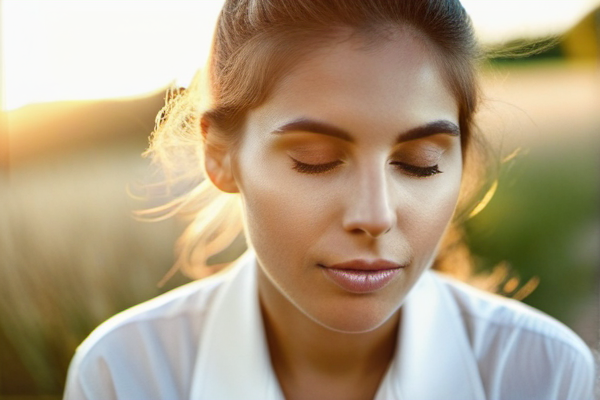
x=233, y=358
x=433, y=358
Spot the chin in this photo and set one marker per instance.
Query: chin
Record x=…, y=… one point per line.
x=354, y=319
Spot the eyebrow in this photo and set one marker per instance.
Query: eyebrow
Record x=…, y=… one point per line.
x=312, y=126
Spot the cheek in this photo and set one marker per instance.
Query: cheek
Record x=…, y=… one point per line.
x=282, y=217
x=430, y=213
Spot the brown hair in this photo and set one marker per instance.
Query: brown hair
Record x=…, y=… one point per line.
x=254, y=44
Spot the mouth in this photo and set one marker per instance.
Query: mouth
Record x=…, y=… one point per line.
x=361, y=276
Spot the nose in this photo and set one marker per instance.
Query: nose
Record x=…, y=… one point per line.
x=369, y=208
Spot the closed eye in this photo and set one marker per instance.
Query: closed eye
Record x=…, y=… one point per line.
x=315, y=168
x=416, y=171
x=412, y=170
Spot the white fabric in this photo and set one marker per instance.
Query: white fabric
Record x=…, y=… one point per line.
x=205, y=340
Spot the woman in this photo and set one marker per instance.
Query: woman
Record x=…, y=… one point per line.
x=343, y=126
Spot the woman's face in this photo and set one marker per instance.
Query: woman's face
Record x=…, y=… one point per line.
x=349, y=175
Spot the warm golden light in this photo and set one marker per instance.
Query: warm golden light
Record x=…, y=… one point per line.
x=75, y=50
x=501, y=20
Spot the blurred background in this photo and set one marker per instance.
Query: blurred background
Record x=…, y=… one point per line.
x=82, y=81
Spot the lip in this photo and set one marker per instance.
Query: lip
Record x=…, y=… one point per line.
x=362, y=276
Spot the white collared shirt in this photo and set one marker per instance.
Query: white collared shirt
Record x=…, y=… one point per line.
x=205, y=340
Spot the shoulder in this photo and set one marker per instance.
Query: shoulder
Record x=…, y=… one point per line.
x=151, y=346
x=184, y=305
x=491, y=314
x=520, y=350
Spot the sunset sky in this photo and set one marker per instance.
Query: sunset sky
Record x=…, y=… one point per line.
x=91, y=49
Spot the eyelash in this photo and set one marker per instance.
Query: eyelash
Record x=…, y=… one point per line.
x=419, y=172
x=412, y=170
x=315, y=168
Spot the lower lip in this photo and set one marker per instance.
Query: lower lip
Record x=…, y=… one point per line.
x=361, y=281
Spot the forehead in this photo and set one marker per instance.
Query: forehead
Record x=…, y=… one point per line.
x=357, y=81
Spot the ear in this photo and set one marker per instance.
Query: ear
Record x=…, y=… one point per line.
x=217, y=159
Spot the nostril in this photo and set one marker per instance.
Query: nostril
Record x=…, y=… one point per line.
x=379, y=231
x=357, y=231
x=371, y=220
x=369, y=229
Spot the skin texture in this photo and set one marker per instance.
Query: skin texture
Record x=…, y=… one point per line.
x=325, y=341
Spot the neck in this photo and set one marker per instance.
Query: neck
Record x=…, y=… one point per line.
x=301, y=347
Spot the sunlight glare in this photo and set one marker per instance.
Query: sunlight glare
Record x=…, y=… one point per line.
x=93, y=49
x=76, y=50
x=504, y=20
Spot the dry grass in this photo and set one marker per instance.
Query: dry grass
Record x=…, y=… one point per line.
x=71, y=256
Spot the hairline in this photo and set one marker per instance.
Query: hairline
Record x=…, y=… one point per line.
x=368, y=38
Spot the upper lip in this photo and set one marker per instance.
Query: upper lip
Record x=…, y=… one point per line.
x=366, y=265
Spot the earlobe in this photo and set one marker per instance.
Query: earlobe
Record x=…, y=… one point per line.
x=217, y=161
